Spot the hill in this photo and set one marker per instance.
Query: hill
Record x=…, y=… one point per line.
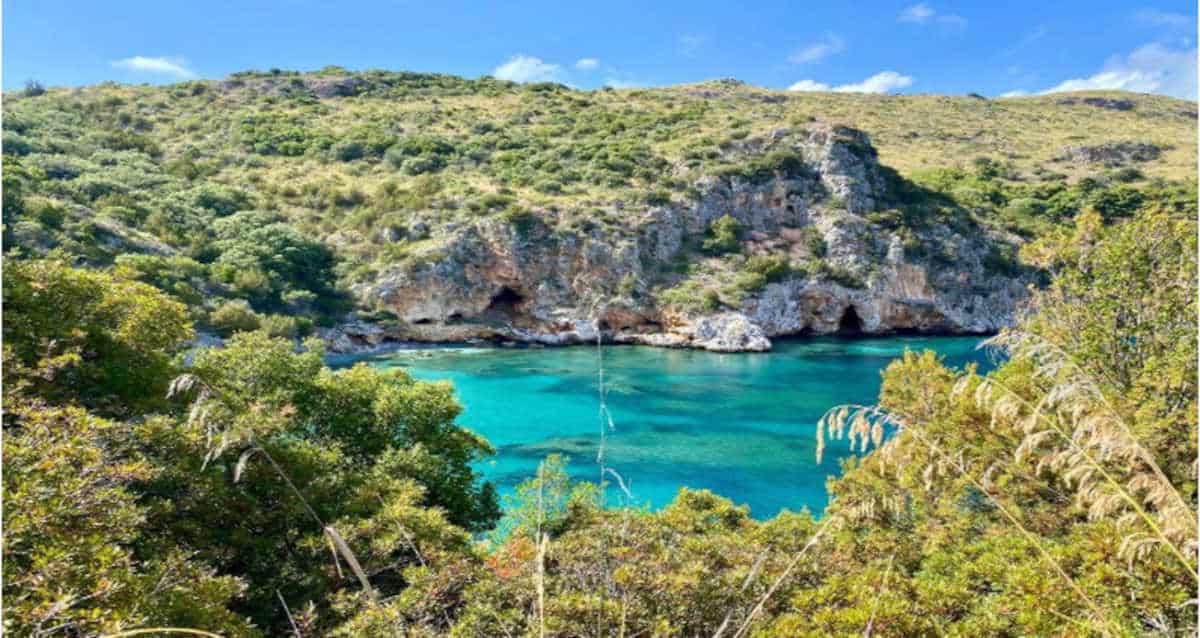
x=716, y=214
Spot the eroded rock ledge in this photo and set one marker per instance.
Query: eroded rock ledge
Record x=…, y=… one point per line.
x=545, y=281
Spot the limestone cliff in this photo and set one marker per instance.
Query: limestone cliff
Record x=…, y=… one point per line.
x=540, y=279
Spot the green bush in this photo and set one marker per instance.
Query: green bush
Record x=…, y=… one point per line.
x=285, y=326
x=1117, y=202
x=658, y=197
x=766, y=269
x=521, y=218
x=814, y=241
x=234, y=316
x=724, y=236
x=691, y=296
x=348, y=150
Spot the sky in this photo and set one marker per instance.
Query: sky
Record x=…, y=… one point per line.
x=993, y=48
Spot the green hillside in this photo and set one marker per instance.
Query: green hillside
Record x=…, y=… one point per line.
x=352, y=170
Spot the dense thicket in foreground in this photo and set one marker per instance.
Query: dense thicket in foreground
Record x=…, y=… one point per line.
x=253, y=491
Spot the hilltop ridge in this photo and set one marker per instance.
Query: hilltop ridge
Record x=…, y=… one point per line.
x=271, y=196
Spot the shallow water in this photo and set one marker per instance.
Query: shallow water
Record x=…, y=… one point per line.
x=741, y=425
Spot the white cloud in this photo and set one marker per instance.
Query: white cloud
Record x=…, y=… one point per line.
x=922, y=13
x=526, y=68
x=919, y=13
x=884, y=82
x=1157, y=18
x=1153, y=68
x=824, y=48
x=163, y=66
x=586, y=64
x=809, y=85
x=622, y=84
x=1017, y=93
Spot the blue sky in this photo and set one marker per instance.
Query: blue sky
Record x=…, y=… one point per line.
x=992, y=48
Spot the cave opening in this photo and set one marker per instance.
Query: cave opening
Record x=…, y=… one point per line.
x=850, y=323
x=505, y=301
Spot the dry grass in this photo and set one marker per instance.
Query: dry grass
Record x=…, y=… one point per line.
x=1074, y=431
x=864, y=423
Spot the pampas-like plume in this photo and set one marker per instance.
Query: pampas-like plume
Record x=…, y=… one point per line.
x=855, y=422
x=539, y=579
x=1075, y=431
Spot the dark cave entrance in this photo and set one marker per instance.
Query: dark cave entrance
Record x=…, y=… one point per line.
x=505, y=301
x=850, y=324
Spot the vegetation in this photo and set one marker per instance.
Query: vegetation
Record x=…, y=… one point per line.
x=285, y=189
x=250, y=490
x=1057, y=491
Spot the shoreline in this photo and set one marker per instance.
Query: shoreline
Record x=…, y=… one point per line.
x=389, y=345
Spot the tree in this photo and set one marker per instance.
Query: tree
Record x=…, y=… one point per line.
x=293, y=447
x=77, y=559
x=81, y=335
x=265, y=259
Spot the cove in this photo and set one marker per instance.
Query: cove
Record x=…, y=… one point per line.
x=741, y=425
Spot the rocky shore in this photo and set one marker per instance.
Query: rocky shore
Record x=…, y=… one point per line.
x=537, y=281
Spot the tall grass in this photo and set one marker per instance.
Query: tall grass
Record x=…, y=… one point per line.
x=1068, y=429
x=865, y=424
x=1074, y=430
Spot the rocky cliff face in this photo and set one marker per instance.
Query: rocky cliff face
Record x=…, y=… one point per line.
x=542, y=280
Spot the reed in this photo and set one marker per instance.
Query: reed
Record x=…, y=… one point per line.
x=865, y=424
x=1075, y=430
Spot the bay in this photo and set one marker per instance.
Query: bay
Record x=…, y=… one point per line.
x=741, y=425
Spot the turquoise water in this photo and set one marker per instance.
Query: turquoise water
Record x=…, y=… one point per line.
x=741, y=425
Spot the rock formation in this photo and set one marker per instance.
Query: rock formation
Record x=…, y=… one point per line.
x=542, y=280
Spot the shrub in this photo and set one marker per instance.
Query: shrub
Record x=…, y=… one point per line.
x=33, y=88
x=1026, y=207
x=15, y=144
x=814, y=241
x=285, y=326
x=787, y=164
x=914, y=248
x=1126, y=175
x=49, y=213
x=234, y=316
x=691, y=296
x=1116, y=202
x=221, y=200
x=836, y=274
x=658, y=198
x=423, y=164
x=348, y=150
x=771, y=268
x=723, y=235
x=521, y=218
x=89, y=333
